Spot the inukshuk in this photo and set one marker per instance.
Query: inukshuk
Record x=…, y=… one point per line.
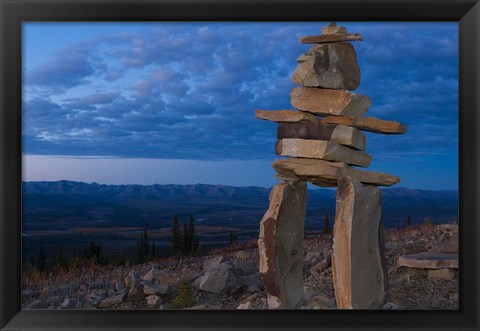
x=322, y=142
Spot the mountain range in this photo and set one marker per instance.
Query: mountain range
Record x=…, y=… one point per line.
x=74, y=213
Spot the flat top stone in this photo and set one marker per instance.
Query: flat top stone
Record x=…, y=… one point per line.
x=371, y=124
x=429, y=260
x=331, y=38
x=285, y=116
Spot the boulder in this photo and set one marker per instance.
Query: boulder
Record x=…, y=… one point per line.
x=329, y=102
x=131, y=278
x=152, y=275
x=163, y=291
x=321, y=149
x=68, y=303
x=154, y=300
x=136, y=292
x=429, y=260
x=213, y=263
x=448, y=246
x=244, y=305
x=218, y=279
x=120, y=285
x=360, y=276
x=445, y=274
x=330, y=66
x=38, y=304
x=391, y=306
x=250, y=283
x=110, y=301
x=340, y=134
x=280, y=245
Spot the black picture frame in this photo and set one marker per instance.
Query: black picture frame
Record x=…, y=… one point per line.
x=14, y=12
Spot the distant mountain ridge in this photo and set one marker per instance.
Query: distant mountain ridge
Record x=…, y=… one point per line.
x=65, y=187
x=73, y=214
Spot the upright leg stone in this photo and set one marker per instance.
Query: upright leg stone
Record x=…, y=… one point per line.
x=360, y=276
x=280, y=245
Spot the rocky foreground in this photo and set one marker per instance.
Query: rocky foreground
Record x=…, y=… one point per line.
x=229, y=279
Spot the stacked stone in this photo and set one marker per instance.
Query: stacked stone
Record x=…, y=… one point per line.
x=322, y=141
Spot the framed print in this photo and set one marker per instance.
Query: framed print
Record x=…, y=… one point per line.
x=239, y=165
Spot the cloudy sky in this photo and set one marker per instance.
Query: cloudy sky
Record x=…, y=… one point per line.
x=174, y=102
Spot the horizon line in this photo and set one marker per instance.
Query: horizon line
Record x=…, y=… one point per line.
x=255, y=186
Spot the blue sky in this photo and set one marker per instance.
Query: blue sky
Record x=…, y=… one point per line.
x=174, y=102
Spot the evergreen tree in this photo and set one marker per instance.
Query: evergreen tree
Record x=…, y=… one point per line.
x=191, y=235
x=145, y=245
x=61, y=261
x=41, y=259
x=176, y=237
x=409, y=221
x=153, y=251
x=232, y=239
x=186, y=242
x=326, y=224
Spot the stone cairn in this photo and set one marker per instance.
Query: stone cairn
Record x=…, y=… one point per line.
x=322, y=141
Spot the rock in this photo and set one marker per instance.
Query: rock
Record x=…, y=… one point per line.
x=213, y=263
x=325, y=263
x=111, y=292
x=136, y=292
x=242, y=255
x=447, y=231
x=445, y=274
x=332, y=28
x=429, y=260
x=38, y=304
x=316, y=302
x=110, y=301
x=391, y=306
x=326, y=174
x=329, y=102
x=321, y=149
x=391, y=245
x=218, y=280
x=203, y=307
x=163, y=291
x=89, y=306
x=329, y=66
x=120, y=285
x=131, y=278
x=331, y=38
x=360, y=276
x=331, y=304
x=280, y=245
x=154, y=300
x=152, y=275
x=68, y=303
x=245, y=305
x=371, y=124
x=285, y=116
x=340, y=134
x=251, y=282
x=449, y=246
x=96, y=296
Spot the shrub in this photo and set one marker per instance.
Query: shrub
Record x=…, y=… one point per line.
x=184, y=297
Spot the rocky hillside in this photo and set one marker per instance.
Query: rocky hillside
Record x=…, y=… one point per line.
x=229, y=279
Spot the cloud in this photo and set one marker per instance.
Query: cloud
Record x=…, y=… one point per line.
x=189, y=90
